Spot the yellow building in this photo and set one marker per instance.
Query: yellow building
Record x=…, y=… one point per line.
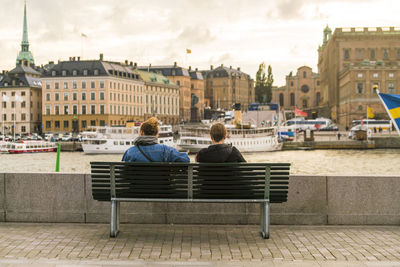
x=197, y=86
x=78, y=94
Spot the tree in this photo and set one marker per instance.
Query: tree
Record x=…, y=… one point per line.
x=260, y=87
x=269, y=82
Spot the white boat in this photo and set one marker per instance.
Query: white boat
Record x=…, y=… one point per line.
x=116, y=140
x=245, y=140
x=28, y=147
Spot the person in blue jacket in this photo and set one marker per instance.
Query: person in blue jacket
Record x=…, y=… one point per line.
x=147, y=148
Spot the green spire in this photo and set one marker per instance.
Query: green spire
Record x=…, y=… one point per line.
x=25, y=54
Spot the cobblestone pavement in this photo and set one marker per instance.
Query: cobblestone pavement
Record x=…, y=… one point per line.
x=197, y=245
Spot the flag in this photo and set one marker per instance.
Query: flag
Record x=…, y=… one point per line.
x=83, y=35
x=301, y=113
x=370, y=112
x=18, y=98
x=6, y=98
x=392, y=106
x=188, y=51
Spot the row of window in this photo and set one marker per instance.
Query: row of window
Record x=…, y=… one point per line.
x=360, y=88
x=83, y=110
x=66, y=124
x=375, y=75
x=101, y=84
x=23, y=117
x=75, y=96
x=304, y=101
x=360, y=53
x=74, y=85
x=23, y=104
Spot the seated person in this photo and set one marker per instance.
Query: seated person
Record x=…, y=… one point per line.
x=147, y=149
x=219, y=152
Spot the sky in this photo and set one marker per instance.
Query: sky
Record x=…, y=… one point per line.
x=239, y=33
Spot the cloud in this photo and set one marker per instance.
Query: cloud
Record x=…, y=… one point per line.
x=195, y=35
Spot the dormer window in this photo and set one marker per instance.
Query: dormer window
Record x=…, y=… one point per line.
x=96, y=72
x=64, y=73
x=74, y=72
x=53, y=73
x=85, y=72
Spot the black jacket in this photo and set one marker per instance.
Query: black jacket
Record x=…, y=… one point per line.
x=220, y=153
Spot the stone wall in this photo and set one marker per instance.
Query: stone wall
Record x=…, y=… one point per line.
x=313, y=200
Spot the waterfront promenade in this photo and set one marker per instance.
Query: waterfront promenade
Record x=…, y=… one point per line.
x=197, y=245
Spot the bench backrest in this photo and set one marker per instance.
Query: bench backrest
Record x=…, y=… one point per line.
x=190, y=180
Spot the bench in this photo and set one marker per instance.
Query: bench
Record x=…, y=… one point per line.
x=262, y=183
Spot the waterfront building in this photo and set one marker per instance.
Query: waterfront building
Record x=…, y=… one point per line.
x=227, y=86
x=161, y=97
x=301, y=90
x=21, y=87
x=197, y=85
x=81, y=93
x=351, y=61
x=181, y=77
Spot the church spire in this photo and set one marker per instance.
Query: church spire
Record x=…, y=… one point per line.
x=25, y=55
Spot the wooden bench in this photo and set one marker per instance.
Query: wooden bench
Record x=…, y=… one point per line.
x=263, y=183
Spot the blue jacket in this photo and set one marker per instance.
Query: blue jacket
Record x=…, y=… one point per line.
x=156, y=152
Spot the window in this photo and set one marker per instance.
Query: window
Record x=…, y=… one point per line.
x=57, y=109
x=281, y=99
x=390, y=88
x=47, y=109
x=304, y=103
x=12, y=116
x=346, y=54
x=85, y=72
x=12, y=93
x=65, y=85
x=359, y=75
x=64, y=73
x=375, y=75
x=83, y=124
x=101, y=84
x=74, y=85
x=398, y=53
x=83, y=95
x=13, y=104
x=304, y=74
x=391, y=75
x=23, y=129
x=292, y=99
x=48, y=124
x=74, y=72
x=93, y=85
x=66, y=124
x=23, y=116
x=74, y=96
x=96, y=72
x=53, y=73
x=375, y=86
x=92, y=123
x=372, y=54
x=359, y=54
x=318, y=82
x=83, y=109
x=178, y=82
x=65, y=96
x=56, y=85
x=83, y=85
x=102, y=95
x=92, y=95
x=305, y=88
x=57, y=97
x=57, y=124
x=102, y=123
x=385, y=53
x=360, y=88
x=47, y=96
x=65, y=109
x=74, y=109
x=291, y=83
x=47, y=86
x=318, y=98
x=101, y=109
x=92, y=109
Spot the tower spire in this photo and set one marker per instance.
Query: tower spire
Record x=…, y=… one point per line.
x=25, y=55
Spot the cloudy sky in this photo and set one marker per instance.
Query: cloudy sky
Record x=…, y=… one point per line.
x=238, y=33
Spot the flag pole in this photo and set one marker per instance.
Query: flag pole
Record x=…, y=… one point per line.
x=387, y=110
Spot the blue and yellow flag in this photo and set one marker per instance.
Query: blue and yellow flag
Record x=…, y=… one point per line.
x=392, y=105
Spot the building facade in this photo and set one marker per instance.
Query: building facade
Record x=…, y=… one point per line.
x=301, y=90
x=181, y=77
x=197, y=85
x=78, y=94
x=20, y=91
x=351, y=61
x=227, y=86
x=161, y=97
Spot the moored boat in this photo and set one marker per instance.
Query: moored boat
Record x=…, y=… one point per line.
x=28, y=147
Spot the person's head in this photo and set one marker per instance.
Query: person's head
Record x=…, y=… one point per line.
x=149, y=127
x=218, y=133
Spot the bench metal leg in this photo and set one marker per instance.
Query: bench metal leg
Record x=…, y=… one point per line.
x=113, y=219
x=264, y=214
x=118, y=215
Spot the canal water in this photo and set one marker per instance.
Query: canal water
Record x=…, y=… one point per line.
x=315, y=162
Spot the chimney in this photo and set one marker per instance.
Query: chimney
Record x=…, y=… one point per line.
x=70, y=58
x=190, y=68
x=222, y=65
x=126, y=62
x=238, y=68
x=131, y=63
x=79, y=58
x=101, y=57
x=175, y=64
x=135, y=65
x=211, y=67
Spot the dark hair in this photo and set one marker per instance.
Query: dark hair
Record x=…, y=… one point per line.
x=218, y=132
x=150, y=127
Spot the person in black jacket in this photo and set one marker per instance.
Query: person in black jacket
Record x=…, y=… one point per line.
x=219, y=152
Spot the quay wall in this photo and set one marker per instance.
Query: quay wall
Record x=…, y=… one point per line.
x=313, y=200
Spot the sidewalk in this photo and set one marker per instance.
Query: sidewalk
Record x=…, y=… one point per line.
x=197, y=245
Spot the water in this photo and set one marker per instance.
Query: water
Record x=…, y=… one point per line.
x=316, y=162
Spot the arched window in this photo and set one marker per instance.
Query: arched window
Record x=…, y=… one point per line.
x=281, y=100
x=304, y=74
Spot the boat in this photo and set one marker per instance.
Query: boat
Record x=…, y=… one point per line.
x=116, y=140
x=253, y=139
x=28, y=147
